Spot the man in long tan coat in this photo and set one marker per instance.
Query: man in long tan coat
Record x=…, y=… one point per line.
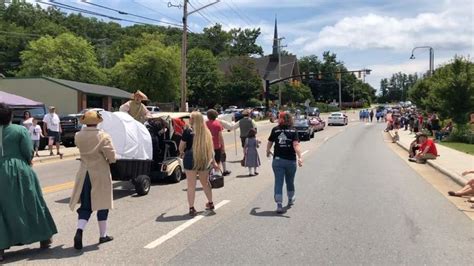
x=97, y=152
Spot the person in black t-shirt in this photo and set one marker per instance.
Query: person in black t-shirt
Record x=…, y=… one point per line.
x=286, y=157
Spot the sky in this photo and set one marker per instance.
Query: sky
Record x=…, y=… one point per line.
x=372, y=34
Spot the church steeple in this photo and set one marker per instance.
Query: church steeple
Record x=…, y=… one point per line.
x=275, y=40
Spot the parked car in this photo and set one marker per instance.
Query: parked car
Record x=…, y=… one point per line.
x=153, y=109
x=304, y=129
x=337, y=118
x=236, y=112
x=312, y=111
x=317, y=123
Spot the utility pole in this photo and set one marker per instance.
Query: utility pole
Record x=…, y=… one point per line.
x=339, y=76
x=184, y=47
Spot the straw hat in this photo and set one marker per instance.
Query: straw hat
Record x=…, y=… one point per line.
x=140, y=94
x=91, y=118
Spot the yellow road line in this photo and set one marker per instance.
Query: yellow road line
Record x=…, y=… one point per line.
x=58, y=187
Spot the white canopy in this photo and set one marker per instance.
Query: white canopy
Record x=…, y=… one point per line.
x=131, y=138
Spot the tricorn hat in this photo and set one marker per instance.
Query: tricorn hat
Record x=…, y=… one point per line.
x=91, y=118
x=140, y=94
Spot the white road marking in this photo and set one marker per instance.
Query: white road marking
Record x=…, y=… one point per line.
x=181, y=228
x=326, y=139
x=302, y=154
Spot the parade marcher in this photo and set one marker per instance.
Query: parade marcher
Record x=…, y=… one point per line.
x=216, y=128
x=286, y=158
x=135, y=108
x=52, y=128
x=24, y=216
x=197, y=151
x=251, y=159
x=371, y=115
x=35, y=134
x=245, y=124
x=93, y=184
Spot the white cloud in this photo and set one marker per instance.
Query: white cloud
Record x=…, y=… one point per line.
x=450, y=29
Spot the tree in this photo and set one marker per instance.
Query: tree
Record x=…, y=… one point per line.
x=293, y=93
x=396, y=88
x=214, y=39
x=244, y=42
x=65, y=57
x=453, y=89
x=204, y=88
x=242, y=83
x=153, y=69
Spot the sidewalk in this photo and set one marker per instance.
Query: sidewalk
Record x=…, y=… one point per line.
x=449, y=162
x=67, y=154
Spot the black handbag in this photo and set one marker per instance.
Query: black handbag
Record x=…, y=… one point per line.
x=216, y=179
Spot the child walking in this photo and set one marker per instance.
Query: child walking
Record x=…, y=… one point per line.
x=252, y=160
x=35, y=134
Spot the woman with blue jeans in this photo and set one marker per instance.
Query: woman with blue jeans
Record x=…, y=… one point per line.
x=286, y=158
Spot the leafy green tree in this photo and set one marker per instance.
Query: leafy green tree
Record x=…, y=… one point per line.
x=214, y=39
x=244, y=42
x=453, y=90
x=204, y=88
x=293, y=94
x=65, y=57
x=153, y=69
x=242, y=83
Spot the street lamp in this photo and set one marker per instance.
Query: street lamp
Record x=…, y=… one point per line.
x=431, y=56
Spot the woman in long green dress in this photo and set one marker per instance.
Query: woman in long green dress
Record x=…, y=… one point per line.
x=24, y=216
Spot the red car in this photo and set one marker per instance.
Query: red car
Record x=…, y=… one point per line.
x=317, y=123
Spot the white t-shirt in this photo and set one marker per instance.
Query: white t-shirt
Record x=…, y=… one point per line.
x=35, y=132
x=52, y=122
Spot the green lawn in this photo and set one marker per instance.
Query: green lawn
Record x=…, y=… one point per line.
x=462, y=147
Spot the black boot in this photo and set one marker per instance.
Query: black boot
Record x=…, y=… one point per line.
x=78, y=239
x=46, y=243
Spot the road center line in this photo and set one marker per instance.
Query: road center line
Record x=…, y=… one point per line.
x=181, y=228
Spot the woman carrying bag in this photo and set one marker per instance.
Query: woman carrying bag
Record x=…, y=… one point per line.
x=196, y=149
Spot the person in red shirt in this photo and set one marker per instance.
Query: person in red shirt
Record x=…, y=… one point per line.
x=216, y=129
x=427, y=150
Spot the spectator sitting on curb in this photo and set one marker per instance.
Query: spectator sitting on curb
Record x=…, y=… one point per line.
x=467, y=190
x=427, y=150
x=414, y=146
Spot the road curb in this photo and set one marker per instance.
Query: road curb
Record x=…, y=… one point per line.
x=54, y=158
x=456, y=178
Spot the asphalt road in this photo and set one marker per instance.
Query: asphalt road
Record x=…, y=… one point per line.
x=357, y=203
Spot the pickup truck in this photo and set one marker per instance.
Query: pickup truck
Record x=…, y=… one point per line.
x=69, y=124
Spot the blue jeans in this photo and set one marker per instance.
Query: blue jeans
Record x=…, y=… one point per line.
x=284, y=171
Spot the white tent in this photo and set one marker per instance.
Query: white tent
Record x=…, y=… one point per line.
x=131, y=138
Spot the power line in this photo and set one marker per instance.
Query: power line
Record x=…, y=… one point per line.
x=243, y=13
x=237, y=13
x=154, y=10
x=80, y=10
x=201, y=14
x=130, y=14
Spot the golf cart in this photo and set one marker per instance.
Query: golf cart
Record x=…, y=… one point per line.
x=167, y=164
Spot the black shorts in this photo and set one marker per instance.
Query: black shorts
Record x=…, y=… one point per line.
x=55, y=135
x=218, y=155
x=188, y=162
